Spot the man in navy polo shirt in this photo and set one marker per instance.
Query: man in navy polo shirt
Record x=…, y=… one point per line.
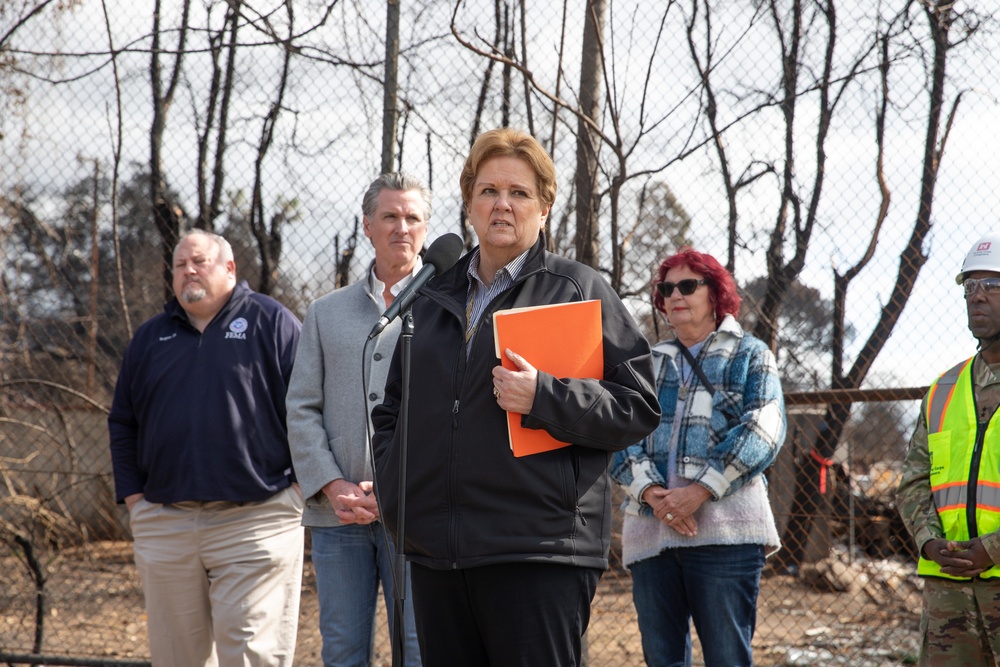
x=200, y=454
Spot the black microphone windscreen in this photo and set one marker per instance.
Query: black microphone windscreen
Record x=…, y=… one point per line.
x=444, y=252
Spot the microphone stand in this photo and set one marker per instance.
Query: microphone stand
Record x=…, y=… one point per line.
x=399, y=576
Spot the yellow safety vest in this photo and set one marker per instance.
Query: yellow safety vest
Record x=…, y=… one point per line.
x=965, y=474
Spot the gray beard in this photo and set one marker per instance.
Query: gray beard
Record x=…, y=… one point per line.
x=193, y=293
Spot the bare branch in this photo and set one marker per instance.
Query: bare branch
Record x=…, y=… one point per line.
x=559, y=79
x=55, y=385
x=36, y=10
x=116, y=142
x=496, y=55
x=269, y=241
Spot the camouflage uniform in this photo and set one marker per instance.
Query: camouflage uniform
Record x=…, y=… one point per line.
x=960, y=624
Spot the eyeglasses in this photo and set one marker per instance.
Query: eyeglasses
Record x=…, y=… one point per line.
x=988, y=285
x=686, y=287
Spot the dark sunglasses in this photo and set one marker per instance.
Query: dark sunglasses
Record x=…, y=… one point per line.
x=988, y=285
x=686, y=287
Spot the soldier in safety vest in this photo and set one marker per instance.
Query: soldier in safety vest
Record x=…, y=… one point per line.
x=949, y=494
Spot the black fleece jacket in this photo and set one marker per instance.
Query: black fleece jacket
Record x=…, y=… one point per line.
x=469, y=502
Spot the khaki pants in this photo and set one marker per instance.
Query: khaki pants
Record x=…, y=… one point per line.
x=222, y=580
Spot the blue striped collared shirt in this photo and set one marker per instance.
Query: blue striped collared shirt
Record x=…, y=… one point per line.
x=480, y=294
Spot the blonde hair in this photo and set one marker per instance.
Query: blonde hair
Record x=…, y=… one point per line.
x=508, y=142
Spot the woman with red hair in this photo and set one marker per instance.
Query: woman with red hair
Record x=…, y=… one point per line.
x=698, y=524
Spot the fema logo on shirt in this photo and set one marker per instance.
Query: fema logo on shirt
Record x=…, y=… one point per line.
x=238, y=329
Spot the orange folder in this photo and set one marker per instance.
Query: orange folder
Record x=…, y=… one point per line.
x=564, y=340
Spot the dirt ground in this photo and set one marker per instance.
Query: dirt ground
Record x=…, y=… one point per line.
x=94, y=609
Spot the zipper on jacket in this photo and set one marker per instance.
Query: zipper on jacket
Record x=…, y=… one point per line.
x=972, y=497
x=445, y=301
x=451, y=492
x=971, y=501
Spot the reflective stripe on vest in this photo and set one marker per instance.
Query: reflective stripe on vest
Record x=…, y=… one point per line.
x=952, y=430
x=940, y=396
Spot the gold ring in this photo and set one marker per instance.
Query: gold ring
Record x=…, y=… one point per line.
x=670, y=517
x=496, y=392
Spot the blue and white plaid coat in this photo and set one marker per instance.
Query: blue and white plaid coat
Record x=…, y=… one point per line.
x=725, y=441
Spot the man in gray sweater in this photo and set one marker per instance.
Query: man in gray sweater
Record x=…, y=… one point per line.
x=328, y=407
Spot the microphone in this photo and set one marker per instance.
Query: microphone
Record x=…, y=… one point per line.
x=441, y=256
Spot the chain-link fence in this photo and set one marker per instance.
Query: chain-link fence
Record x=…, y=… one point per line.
x=840, y=158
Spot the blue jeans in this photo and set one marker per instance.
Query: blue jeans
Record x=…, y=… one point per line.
x=350, y=561
x=716, y=586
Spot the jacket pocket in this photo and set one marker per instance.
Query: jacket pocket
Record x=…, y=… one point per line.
x=939, y=450
x=729, y=404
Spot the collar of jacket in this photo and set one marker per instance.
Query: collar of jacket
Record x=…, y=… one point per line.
x=454, y=283
x=240, y=293
x=666, y=349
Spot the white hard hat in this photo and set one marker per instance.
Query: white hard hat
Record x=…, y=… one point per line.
x=984, y=256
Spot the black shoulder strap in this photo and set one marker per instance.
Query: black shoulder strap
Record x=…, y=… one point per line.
x=695, y=366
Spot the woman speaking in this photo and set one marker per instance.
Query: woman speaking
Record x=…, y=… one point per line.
x=506, y=552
